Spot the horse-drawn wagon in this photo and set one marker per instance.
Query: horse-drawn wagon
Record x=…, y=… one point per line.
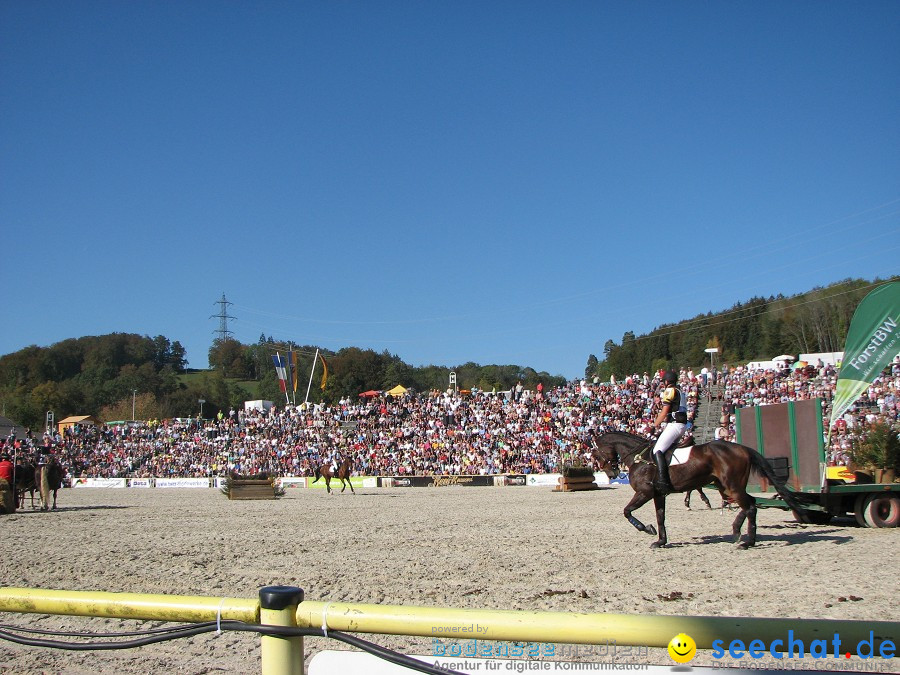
x=791, y=436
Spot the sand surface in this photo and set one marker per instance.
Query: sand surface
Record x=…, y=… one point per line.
x=498, y=548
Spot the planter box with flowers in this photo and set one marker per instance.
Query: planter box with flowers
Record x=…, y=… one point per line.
x=251, y=487
x=576, y=478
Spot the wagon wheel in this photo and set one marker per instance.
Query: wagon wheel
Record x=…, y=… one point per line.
x=882, y=510
x=858, y=507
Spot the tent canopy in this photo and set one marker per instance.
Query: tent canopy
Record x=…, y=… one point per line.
x=399, y=390
x=370, y=394
x=785, y=357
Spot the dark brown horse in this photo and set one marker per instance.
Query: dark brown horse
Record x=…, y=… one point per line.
x=343, y=474
x=727, y=465
x=24, y=483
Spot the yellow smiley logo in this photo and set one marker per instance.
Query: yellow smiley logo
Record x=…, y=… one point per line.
x=682, y=648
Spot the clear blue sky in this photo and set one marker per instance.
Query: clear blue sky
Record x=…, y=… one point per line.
x=497, y=182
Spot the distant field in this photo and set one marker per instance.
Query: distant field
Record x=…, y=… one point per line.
x=197, y=376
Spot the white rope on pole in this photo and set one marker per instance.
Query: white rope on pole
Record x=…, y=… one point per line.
x=311, y=371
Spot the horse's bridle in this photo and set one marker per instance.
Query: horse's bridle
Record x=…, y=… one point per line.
x=602, y=463
x=616, y=463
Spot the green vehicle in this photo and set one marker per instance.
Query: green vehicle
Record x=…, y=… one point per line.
x=791, y=436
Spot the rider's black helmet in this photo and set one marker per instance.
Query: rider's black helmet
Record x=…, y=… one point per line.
x=671, y=377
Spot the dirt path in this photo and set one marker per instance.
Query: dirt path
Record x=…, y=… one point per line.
x=499, y=548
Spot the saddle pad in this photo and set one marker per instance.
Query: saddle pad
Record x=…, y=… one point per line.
x=681, y=455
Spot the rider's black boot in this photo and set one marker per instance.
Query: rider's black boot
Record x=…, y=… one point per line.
x=662, y=483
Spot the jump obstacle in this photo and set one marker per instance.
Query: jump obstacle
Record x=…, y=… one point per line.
x=284, y=606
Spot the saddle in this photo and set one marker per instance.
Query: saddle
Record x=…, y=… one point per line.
x=685, y=441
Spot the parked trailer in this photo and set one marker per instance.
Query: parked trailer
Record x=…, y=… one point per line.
x=791, y=436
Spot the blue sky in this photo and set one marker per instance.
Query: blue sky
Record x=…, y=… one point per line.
x=497, y=182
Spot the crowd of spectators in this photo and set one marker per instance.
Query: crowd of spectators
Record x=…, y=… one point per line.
x=448, y=432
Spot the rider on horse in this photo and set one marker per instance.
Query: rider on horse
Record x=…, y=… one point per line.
x=674, y=414
x=43, y=455
x=334, y=460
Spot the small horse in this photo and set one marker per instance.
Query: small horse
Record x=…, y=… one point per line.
x=343, y=473
x=726, y=464
x=703, y=497
x=48, y=477
x=726, y=502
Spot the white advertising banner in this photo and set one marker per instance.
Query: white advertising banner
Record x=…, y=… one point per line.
x=182, y=482
x=140, y=482
x=98, y=482
x=543, y=479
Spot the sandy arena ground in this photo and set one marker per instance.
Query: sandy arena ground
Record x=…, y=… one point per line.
x=465, y=547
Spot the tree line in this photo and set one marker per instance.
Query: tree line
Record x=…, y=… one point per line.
x=758, y=329
x=126, y=376
x=352, y=370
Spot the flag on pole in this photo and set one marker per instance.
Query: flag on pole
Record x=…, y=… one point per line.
x=324, y=372
x=872, y=343
x=289, y=371
x=292, y=369
x=280, y=371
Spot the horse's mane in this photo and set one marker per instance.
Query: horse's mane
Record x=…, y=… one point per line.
x=626, y=434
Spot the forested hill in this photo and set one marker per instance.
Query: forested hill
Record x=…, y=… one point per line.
x=758, y=329
x=119, y=375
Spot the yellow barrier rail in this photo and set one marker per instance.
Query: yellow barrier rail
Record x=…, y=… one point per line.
x=284, y=606
x=575, y=628
x=146, y=606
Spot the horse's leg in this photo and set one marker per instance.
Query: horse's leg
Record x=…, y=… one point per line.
x=751, y=523
x=54, y=499
x=45, y=489
x=639, y=499
x=350, y=483
x=659, y=500
x=747, y=505
x=687, y=499
x=343, y=485
x=328, y=484
x=724, y=499
x=703, y=497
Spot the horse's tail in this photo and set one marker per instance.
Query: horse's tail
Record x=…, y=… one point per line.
x=318, y=474
x=761, y=466
x=45, y=487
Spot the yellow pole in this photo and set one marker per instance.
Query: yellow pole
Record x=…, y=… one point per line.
x=574, y=628
x=145, y=606
x=278, y=607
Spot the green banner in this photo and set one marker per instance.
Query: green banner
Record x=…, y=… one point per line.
x=872, y=342
x=355, y=481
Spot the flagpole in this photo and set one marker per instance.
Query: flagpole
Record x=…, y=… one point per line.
x=311, y=371
x=292, y=369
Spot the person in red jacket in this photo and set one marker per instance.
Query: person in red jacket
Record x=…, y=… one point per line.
x=7, y=485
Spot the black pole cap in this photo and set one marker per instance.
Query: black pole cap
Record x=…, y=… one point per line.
x=280, y=597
